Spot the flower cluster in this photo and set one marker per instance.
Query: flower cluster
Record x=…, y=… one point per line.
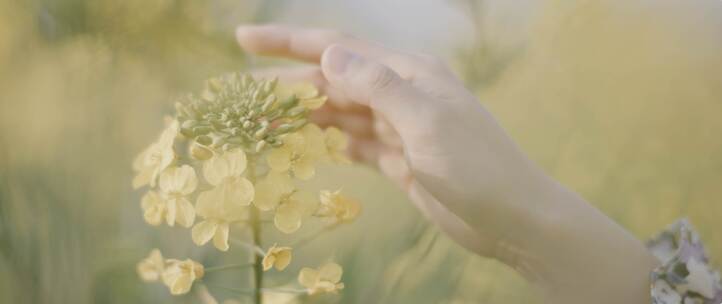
x=236, y=154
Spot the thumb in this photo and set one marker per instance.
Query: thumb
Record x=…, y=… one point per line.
x=368, y=82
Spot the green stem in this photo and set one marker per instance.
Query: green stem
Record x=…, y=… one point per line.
x=256, y=226
x=224, y=267
x=302, y=242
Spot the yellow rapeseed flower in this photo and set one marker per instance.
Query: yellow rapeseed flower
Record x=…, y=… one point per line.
x=272, y=189
x=278, y=257
x=151, y=268
x=322, y=280
x=292, y=209
x=218, y=214
x=176, y=184
x=299, y=152
x=336, y=145
x=227, y=202
x=336, y=207
x=156, y=158
x=154, y=207
x=179, y=275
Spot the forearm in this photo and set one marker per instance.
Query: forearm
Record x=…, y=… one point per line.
x=582, y=256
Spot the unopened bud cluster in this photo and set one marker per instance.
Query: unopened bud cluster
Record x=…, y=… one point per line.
x=236, y=111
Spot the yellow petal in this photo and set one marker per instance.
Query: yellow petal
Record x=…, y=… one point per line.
x=270, y=190
x=294, y=143
x=180, y=180
x=268, y=261
x=171, y=212
x=185, y=213
x=288, y=217
x=239, y=191
x=236, y=160
x=151, y=268
x=220, y=239
x=216, y=169
x=139, y=161
x=279, y=159
x=308, y=277
x=206, y=204
x=154, y=208
x=203, y=232
x=331, y=272
x=181, y=285
x=143, y=178
x=314, y=103
x=303, y=168
x=335, y=139
x=283, y=259
x=301, y=90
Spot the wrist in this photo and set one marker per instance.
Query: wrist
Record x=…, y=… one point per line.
x=581, y=255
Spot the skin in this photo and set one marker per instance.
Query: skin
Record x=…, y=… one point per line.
x=408, y=115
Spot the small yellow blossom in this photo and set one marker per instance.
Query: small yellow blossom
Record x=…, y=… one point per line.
x=151, y=268
x=306, y=93
x=337, y=208
x=154, y=208
x=299, y=152
x=336, y=144
x=279, y=257
x=176, y=184
x=272, y=189
x=179, y=275
x=325, y=279
x=156, y=158
x=218, y=214
x=225, y=173
x=227, y=202
x=292, y=209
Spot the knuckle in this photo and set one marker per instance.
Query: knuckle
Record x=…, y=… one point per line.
x=382, y=78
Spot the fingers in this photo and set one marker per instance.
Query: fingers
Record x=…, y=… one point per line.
x=371, y=83
x=311, y=74
x=309, y=45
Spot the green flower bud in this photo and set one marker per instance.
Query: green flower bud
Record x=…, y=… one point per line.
x=204, y=140
x=296, y=111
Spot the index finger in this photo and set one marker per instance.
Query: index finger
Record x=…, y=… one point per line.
x=308, y=45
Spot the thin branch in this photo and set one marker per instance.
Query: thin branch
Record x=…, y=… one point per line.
x=231, y=266
x=304, y=241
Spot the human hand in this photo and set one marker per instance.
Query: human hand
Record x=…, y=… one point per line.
x=410, y=116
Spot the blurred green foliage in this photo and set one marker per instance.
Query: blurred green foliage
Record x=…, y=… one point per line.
x=620, y=102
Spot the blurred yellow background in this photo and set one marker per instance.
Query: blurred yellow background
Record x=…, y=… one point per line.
x=620, y=100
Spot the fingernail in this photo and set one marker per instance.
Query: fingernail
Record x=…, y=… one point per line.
x=338, y=58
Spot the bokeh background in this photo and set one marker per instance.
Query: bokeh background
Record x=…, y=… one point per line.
x=620, y=100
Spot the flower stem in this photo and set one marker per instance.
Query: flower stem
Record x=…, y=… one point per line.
x=256, y=226
x=230, y=266
x=302, y=242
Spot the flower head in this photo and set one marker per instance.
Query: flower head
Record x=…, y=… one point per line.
x=156, y=158
x=337, y=208
x=279, y=257
x=324, y=279
x=299, y=152
x=151, y=268
x=176, y=184
x=179, y=275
